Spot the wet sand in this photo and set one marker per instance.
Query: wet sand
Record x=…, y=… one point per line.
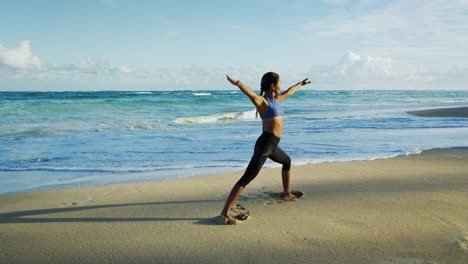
x=442, y=112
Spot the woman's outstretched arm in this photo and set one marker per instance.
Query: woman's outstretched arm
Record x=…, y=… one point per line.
x=256, y=99
x=291, y=90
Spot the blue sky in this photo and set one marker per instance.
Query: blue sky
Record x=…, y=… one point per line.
x=166, y=45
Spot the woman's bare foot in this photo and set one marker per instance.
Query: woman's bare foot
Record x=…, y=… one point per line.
x=292, y=195
x=223, y=220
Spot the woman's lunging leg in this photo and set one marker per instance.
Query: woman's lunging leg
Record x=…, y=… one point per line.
x=281, y=157
x=232, y=197
x=251, y=172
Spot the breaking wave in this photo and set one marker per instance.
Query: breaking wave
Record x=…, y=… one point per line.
x=229, y=116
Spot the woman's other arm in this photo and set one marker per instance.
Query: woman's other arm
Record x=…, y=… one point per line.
x=291, y=90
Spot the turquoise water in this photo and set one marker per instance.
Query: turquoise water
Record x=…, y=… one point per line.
x=69, y=139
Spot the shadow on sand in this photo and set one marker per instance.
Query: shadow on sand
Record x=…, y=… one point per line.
x=27, y=217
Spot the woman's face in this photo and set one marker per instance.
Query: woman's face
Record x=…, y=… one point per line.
x=276, y=88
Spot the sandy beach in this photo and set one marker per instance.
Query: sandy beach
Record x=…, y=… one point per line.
x=127, y=128
x=407, y=209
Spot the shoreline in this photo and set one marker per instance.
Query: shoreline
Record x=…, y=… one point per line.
x=405, y=209
x=236, y=171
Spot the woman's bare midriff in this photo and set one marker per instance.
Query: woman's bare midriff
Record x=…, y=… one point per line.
x=274, y=126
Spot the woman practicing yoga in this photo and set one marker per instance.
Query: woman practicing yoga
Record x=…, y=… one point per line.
x=268, y=105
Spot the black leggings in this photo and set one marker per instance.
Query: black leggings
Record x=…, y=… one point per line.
x=265, y=147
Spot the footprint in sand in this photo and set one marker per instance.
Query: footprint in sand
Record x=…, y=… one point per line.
x=398, y=260
x=240, y=207
x=279, y=197
x=77, y=202
x=266, y=197
x=70, y=204
x=462, y=242
x=240, y=213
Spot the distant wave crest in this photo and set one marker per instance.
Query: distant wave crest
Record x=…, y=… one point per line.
x=201, y=94
x=13, y=132
x=142, y=92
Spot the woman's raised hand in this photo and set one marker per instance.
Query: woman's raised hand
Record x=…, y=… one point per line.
x=232, y=80
x=305, y=81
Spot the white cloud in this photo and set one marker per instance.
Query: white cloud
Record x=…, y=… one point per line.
x=203, y=77
x=124, y=68
x=409, y=16
x=355, y=65
x=356, y=71
x=20, y=63
x=396, y=27
x=91, y=67
x=20, y=57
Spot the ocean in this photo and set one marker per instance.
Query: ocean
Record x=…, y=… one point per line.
x=51, y=140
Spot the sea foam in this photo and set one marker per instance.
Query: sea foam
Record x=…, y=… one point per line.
x=223, y=117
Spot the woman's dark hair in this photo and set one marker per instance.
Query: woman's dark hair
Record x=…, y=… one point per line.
x=268, y=79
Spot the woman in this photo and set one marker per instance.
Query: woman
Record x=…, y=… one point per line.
x=270, y=110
